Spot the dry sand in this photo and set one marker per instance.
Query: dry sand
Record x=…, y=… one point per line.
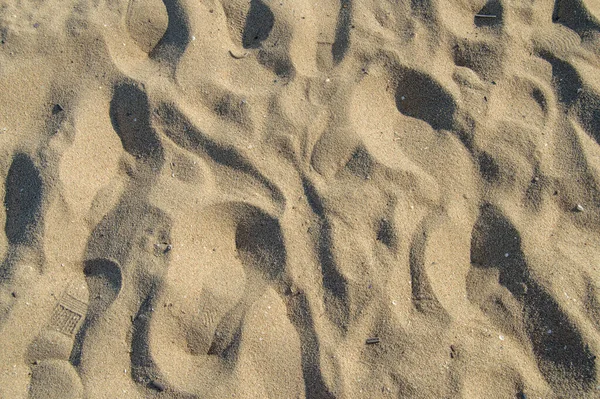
x=214, y=199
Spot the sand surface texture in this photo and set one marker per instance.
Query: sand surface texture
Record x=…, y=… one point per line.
x=299, y=199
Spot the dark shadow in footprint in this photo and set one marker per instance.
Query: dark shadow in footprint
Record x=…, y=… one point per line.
x=172, y=45
x=361, y=163
x=227, y=337
x=277, y=61
x=563, y=357
x=566, y=79
x=571, y=92
x=259, y=244
x=22, y=201
x=300, y=315
x=386, y=234
x=259, y=23
x=488, y=167
x=130, y=117
x=261, y=248
x=589, y=114
x=143, y=368
x=573, y=15
x=342, y=31
x=419, y=96
x=334, y=283
x=258, y=26
x=491, y=8
x=104, y=282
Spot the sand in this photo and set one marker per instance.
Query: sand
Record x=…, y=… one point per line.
x=299, y=199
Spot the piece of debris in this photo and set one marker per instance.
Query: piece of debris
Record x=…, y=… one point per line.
x=57, y=108
x=485, y=16
x=372, y=341
x=238, y=56
x=162, y=248
x=158, y=386
x=579, y=208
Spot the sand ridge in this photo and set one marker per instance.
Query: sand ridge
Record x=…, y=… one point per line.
x=233, y=198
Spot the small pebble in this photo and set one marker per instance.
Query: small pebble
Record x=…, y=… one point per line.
x=57, y=109
x=159, y=386
x=579, y=208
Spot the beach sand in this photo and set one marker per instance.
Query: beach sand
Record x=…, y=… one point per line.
x=299, y=199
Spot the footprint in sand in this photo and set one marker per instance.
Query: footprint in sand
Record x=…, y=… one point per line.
x=250, y=22
x=52, y=374
x=23, y=201
x=209, y=318
x=147, y=22
x=104, y=281
x=502, y=285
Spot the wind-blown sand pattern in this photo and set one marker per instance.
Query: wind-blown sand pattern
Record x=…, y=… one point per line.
x=215, y=199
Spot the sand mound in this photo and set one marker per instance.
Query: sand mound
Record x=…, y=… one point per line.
x=289, y=199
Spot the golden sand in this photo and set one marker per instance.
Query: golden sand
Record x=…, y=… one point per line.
x=299, y=199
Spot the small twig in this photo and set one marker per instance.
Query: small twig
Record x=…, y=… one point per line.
x=485, y=16
x=237, y=56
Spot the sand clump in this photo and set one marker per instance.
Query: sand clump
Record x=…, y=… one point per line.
x=289, y=199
